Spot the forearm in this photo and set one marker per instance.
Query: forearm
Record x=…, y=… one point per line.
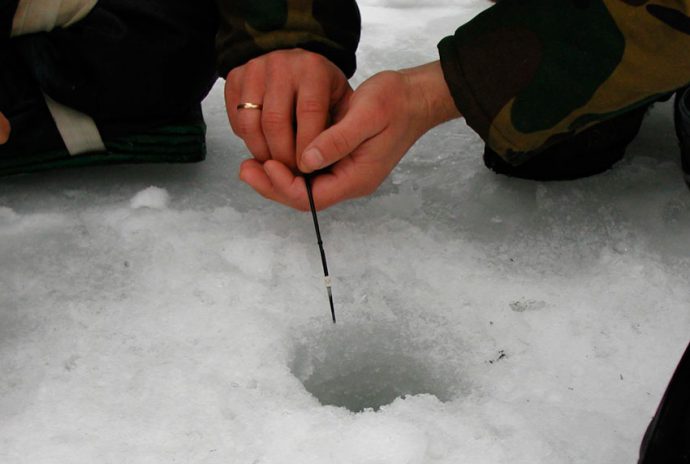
x=249, y=29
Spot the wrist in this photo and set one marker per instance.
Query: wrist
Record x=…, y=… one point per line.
x=430, y=92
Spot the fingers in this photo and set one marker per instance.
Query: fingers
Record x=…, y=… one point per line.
x=268, y=132
x=275, y=181
x=362, y=122
x=316, y=94
x=288, y=188
x=246, y=85
x=297, y=90
x=277, y=115
x=253, y=174
x=312, y=115
x=4, y=129
x=374, y=127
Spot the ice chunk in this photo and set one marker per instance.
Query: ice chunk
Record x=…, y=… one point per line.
x=152, y=197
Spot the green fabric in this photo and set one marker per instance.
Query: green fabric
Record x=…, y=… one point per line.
x=251, y=28
x=266, y=15
x=527, y=74
x=592, y=52
x=170, y=144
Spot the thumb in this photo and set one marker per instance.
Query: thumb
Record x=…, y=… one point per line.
x=359, y=124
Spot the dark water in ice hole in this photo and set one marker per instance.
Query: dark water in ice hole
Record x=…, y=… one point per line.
x=360, y=370
x=372, y=383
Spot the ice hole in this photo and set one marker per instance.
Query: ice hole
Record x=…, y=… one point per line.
x=362, y=368
x=369, y=381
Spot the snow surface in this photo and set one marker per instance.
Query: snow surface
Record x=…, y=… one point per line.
x=526, y=322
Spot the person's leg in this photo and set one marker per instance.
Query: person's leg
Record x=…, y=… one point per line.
x=29, y=125
x=7, y=8
x=590, y=152
x=128, y=63
x=138, y=69
x=682, y=117
x=667, y=440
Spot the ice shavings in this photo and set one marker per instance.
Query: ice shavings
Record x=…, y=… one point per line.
x=152, y=197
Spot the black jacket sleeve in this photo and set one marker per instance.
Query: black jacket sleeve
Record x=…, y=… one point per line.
x=250, y=28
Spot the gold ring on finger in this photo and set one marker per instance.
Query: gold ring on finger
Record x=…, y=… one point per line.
x=250, y=106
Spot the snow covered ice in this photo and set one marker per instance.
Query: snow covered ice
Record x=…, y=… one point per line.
x=153, y=314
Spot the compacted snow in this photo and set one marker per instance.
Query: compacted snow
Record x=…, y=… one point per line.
x=165, y=314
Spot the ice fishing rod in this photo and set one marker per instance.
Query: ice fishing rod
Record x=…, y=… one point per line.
x=326, y=276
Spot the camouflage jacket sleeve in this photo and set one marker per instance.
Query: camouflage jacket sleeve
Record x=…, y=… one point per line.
x=250, y=28
x=528, y=73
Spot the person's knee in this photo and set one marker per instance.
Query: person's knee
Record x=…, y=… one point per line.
x=590, y=152
x=4, y=129
x=144, y=58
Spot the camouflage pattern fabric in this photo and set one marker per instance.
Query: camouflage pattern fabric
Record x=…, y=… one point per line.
x=250, y=28
x=529, y=73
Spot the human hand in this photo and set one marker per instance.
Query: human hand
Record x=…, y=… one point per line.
x=374, y=128
x=4, y=129
x=297, y=89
